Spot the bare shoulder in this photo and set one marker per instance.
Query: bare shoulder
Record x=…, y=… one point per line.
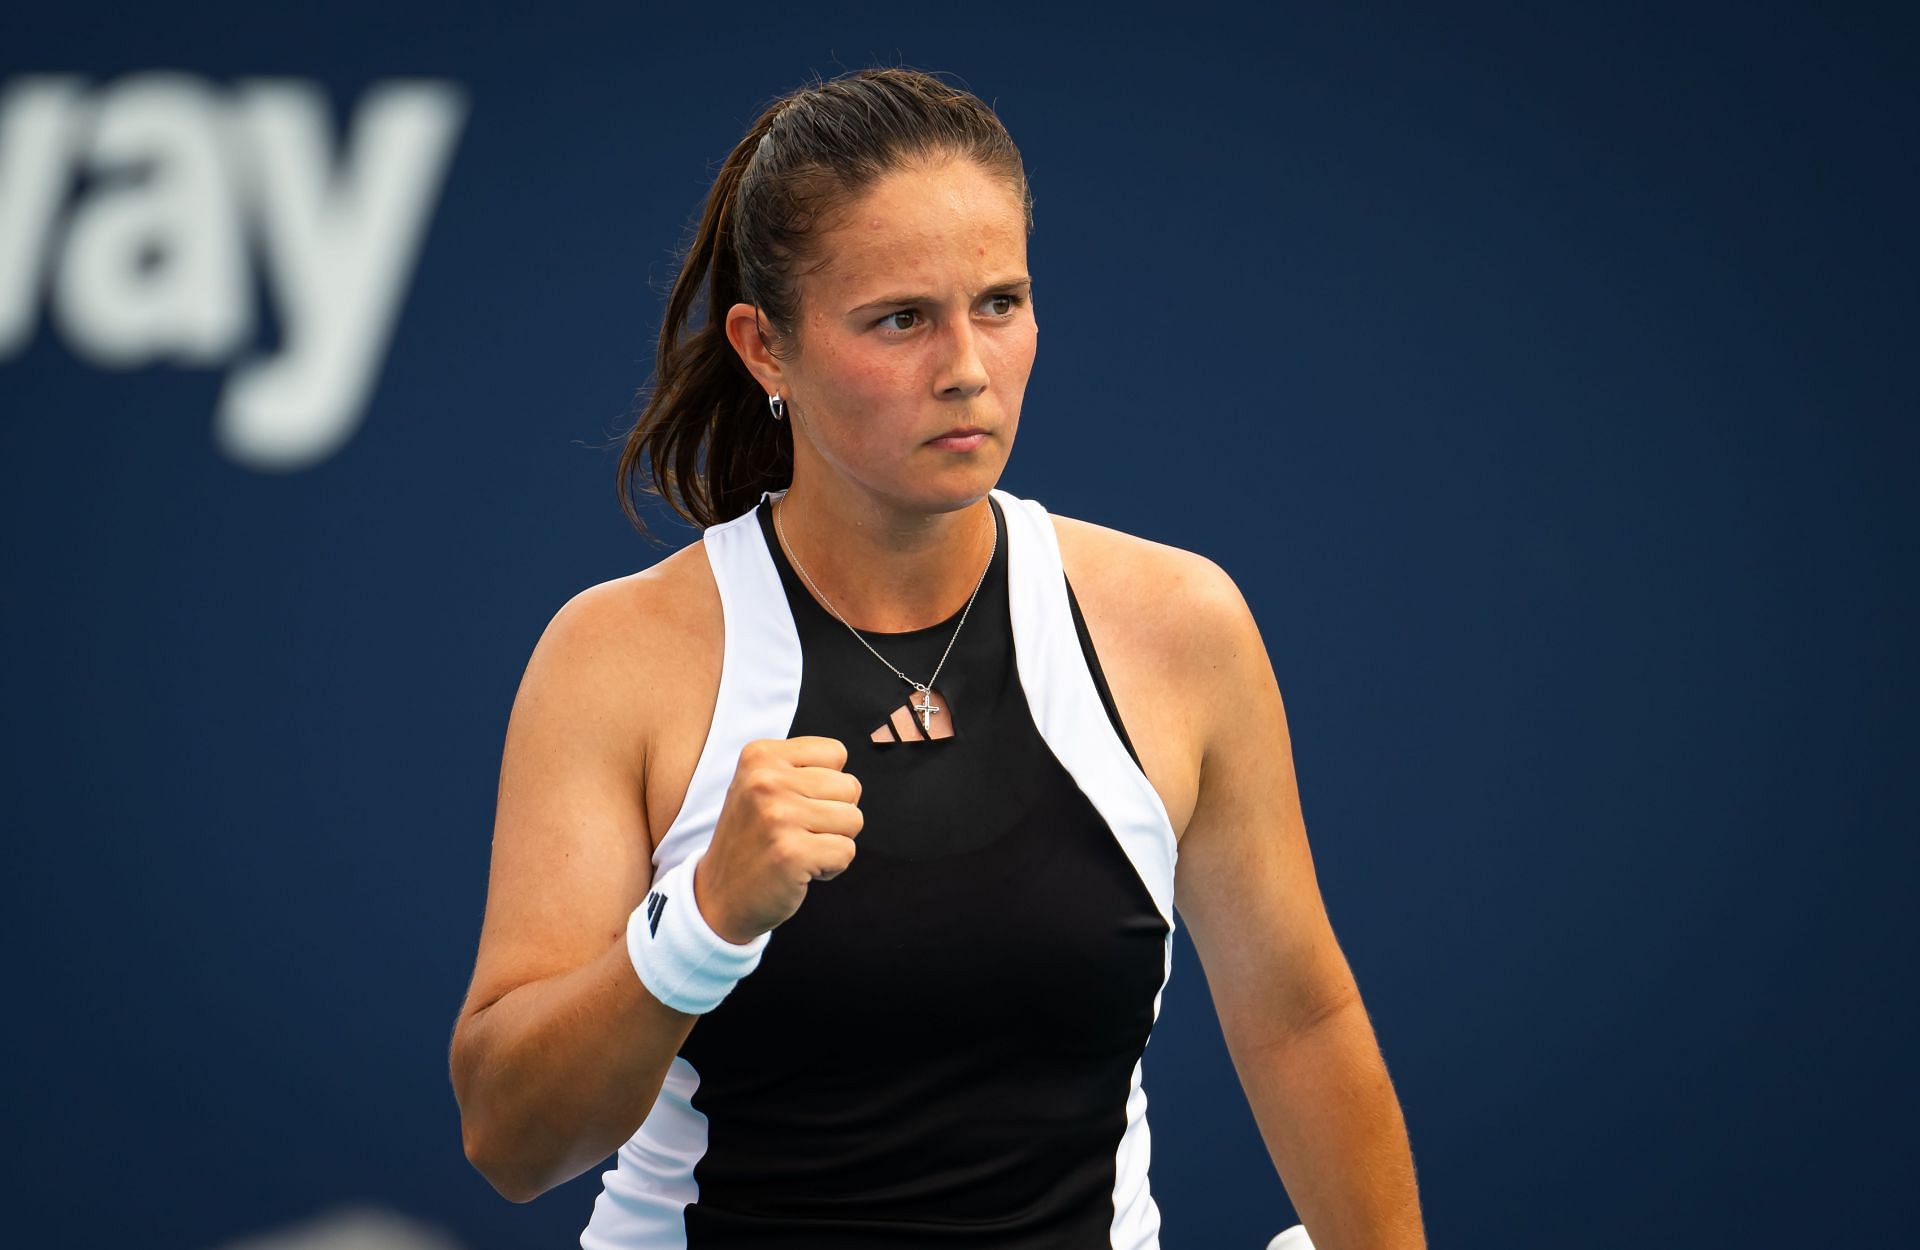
x=1169, y=627
x=674, y=598
x=1176, y=599
x=628, y=653
x=620, y=626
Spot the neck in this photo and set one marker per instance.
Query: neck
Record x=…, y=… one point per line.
x=886, y=570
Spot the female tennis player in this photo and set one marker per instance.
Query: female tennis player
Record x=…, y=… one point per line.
x=838, y=854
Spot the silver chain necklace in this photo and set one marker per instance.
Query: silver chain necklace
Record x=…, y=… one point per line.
x=926, y=706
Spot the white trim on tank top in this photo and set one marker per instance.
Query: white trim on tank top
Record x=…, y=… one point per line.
x=643, y=1200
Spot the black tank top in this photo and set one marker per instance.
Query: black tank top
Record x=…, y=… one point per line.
x=937, y=1047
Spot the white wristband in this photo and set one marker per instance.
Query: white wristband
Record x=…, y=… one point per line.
x=679, y=957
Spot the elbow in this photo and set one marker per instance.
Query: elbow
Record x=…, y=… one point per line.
x=490, y=1146
x=509, y=1177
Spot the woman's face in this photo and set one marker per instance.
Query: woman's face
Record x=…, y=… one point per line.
x=920, y=321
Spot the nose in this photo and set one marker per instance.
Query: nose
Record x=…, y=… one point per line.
x=963, y=374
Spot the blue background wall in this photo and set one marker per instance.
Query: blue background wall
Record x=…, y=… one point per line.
x=1543, y=376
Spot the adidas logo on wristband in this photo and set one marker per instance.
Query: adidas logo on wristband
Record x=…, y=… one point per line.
x=678, y=957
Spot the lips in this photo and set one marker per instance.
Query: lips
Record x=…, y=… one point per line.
x=961, y=432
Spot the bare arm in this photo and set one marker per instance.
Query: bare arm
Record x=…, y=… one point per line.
x=559, y=1050
x=1288, y=1005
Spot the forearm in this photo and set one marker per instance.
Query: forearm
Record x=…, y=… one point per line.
x=557, y=1074
x=1332, y=1123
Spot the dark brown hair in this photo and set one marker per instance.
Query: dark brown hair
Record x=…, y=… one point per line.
x=705, y=431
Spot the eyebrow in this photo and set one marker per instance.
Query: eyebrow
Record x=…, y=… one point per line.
x=1009, y=284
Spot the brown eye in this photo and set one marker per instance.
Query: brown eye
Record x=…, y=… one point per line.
x=891, y=319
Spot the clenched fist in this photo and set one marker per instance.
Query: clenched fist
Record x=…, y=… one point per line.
x=789, y=819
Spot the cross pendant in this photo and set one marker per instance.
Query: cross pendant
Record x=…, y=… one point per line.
x=926, y=708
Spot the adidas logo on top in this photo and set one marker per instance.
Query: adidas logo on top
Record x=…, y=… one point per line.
x=656, y=903
x=904, y=723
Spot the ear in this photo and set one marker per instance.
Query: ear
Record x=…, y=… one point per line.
x=749, y=332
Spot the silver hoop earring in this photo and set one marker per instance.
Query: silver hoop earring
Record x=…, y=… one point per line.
x=778, y=405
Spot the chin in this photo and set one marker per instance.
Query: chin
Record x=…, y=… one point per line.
x=961, y=495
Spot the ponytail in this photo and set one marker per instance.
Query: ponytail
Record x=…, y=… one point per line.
x=702, y=396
